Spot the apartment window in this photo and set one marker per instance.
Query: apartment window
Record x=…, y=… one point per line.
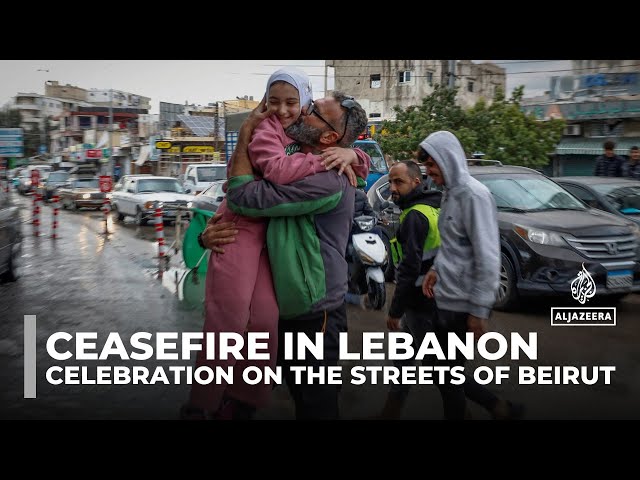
x=430, y=78
x=404, y=76
x=375, y=80
x=606, y=129
x=470, y=86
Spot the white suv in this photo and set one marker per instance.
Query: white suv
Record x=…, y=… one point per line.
x=199, y=176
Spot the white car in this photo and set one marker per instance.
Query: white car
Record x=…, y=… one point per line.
x=198, y=176
x=138, y=196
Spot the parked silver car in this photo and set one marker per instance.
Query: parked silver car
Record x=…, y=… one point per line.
x=211, y=197
x=10, y=238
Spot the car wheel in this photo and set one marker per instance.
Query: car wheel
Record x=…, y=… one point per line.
x=116, y=213
x=15, y=265
x=140, y=220
x=390, y=269
x=507, y=291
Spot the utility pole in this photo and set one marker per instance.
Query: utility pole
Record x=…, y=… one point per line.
x=109, y=131
x=326, y=70
x=216, y=129
x=452, y=74
x=43, y=131
x=43, y=122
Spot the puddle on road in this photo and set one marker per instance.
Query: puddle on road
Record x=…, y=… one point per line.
x=187, y=286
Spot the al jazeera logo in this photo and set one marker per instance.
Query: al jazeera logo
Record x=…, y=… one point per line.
x=583, y=288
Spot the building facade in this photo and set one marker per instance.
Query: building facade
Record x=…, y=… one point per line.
x=380, y=85
x=599, y=102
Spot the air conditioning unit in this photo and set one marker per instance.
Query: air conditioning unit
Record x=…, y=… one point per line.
x=571, y=130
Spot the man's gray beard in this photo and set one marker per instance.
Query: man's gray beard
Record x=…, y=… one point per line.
x=305, y=134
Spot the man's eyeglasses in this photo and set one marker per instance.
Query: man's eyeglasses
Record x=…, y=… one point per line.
x=313, y=110
x=348, y=103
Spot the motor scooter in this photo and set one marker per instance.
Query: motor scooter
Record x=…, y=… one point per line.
x=367, y=257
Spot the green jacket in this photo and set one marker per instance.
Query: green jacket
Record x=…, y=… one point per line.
x=310, y=223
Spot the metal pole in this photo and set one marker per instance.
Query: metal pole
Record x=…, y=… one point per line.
x=326, y=69
x=452, y=73
x=109, y=131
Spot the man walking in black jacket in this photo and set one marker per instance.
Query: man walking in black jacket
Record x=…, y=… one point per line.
x=412, y=250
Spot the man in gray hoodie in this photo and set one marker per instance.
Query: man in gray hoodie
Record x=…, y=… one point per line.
x=464, y=278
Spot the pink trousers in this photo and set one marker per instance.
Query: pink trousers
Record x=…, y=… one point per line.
x=239, y=297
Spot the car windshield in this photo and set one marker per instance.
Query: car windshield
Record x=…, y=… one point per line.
x=378, y=164
x=211, y=174
x=86, y=183
x=529, y=193
x=58, y=176
x=626, y=198
x=159, y=185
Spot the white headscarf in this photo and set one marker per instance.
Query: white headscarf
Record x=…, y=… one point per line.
x=298, y=79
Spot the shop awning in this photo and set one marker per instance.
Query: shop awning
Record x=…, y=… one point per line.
x=593, y=146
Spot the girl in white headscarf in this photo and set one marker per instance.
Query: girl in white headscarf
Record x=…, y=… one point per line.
x=239, y=293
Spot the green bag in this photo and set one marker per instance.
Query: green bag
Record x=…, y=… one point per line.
x=191, y=251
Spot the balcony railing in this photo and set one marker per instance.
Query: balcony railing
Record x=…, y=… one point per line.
x=28, y=106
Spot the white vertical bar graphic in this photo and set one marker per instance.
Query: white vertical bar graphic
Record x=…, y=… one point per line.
x=29, y=356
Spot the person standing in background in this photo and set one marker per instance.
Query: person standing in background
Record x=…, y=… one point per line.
x=609, y=164
x=632, y=167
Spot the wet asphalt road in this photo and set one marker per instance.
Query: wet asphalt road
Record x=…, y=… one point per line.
x=86, y=281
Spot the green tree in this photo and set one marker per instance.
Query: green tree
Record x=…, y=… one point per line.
x=502, y=131
x=438, y=111
x=32, y=140
x=10, y=118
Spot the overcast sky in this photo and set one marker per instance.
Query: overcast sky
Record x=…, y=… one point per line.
x=203, y=81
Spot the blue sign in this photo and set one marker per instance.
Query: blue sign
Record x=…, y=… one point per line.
x=11, y=142
x=231, y=138
x=42, y=149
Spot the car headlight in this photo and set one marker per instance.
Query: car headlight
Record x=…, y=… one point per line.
x=542, y=237
x=366, y=225
x=189, y=204
x=86, y=195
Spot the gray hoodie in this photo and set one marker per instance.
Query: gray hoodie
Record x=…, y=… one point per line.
x=468, y=261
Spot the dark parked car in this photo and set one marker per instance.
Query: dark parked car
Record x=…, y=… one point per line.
x=546, y=235
x=211, y=197
x=53, y=182
x=620, y=196
x=10, y=238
